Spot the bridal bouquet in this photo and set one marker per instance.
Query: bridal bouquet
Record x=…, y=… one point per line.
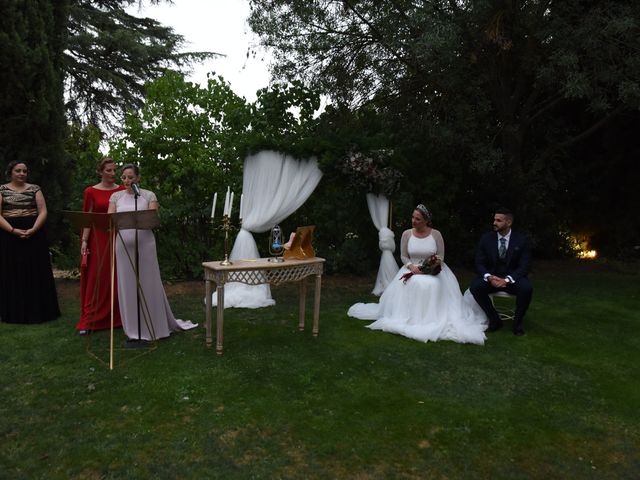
x=430, y=266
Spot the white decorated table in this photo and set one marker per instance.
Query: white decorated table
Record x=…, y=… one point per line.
x=257, y=272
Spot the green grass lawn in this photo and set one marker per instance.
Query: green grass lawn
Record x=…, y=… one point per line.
x=560, y=402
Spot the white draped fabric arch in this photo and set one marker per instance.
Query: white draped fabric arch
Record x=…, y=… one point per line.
x=379, y=211
x=274, y=186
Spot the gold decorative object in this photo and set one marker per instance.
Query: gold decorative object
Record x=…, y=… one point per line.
x=226, y=228
x=301, y=247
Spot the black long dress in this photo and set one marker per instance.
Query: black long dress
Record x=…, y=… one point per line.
x=27, y=289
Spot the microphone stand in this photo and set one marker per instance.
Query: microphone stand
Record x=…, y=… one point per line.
x=139, y=342
x=135, y=200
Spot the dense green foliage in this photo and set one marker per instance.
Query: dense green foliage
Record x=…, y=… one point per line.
x=32, y=121
x=80, y=61
x=560, y=402
x=483, y=102
x=191, y=141
x=82, y=146
x=462, y=105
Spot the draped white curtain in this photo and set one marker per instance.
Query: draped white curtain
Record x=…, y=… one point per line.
x=379, y=211
x=274, y=186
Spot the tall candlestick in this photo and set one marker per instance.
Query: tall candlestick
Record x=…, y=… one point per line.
x=241, y=202
x=213, y=207
x=230, y=203
x=226, y=203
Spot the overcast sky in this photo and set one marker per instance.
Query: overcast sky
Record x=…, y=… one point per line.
x=217, y=26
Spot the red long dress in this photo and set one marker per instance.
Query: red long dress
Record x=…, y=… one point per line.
x=95, y=278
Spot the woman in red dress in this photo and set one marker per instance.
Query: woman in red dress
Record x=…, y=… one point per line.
x=95, y=276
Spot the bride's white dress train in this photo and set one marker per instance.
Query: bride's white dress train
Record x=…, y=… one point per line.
x=426, y=307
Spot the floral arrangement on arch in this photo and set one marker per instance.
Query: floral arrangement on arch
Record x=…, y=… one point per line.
x=368, y=172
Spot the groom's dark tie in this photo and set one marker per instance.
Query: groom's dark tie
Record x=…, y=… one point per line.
x=502, y=251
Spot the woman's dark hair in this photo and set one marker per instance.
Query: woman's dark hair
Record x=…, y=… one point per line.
x=133, y=167
x=102, y=163
x=11, y=166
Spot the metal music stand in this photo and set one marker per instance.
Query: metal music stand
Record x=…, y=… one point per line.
x=136, y=220
x=140, y=220
x=112, y=222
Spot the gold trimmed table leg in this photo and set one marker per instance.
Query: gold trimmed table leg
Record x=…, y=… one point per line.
x=316, y=306
x=302, y=291
x=220, y=320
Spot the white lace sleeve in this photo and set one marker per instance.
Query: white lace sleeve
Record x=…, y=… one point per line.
x=437, y=236
x=404, y=247
x=116, y=196
x=148, y=195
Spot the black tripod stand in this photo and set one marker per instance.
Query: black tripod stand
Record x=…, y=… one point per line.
x=137, y=342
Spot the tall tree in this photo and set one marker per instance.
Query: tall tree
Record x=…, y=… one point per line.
x=484, y=95
x=32, y=122
x=109, y=56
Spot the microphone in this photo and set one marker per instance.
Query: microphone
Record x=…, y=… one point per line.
x=136, y=189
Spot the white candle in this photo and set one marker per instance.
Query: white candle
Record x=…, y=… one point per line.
x=230, y=203
x=213, y=207
x=241, y=202
x=226, y=203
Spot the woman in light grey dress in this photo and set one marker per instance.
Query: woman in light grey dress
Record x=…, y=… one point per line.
x=156, y=318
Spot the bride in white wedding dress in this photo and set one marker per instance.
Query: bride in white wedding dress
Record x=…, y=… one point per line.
x=424, y=307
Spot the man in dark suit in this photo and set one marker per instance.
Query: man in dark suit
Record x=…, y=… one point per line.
x=503, y=260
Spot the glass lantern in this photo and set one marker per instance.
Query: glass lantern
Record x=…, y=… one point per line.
x=276, y=244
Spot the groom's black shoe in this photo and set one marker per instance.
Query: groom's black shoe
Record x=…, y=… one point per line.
x=517, y=326
x=493, y=326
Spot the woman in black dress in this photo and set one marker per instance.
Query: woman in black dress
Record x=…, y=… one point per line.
x=27, y=288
